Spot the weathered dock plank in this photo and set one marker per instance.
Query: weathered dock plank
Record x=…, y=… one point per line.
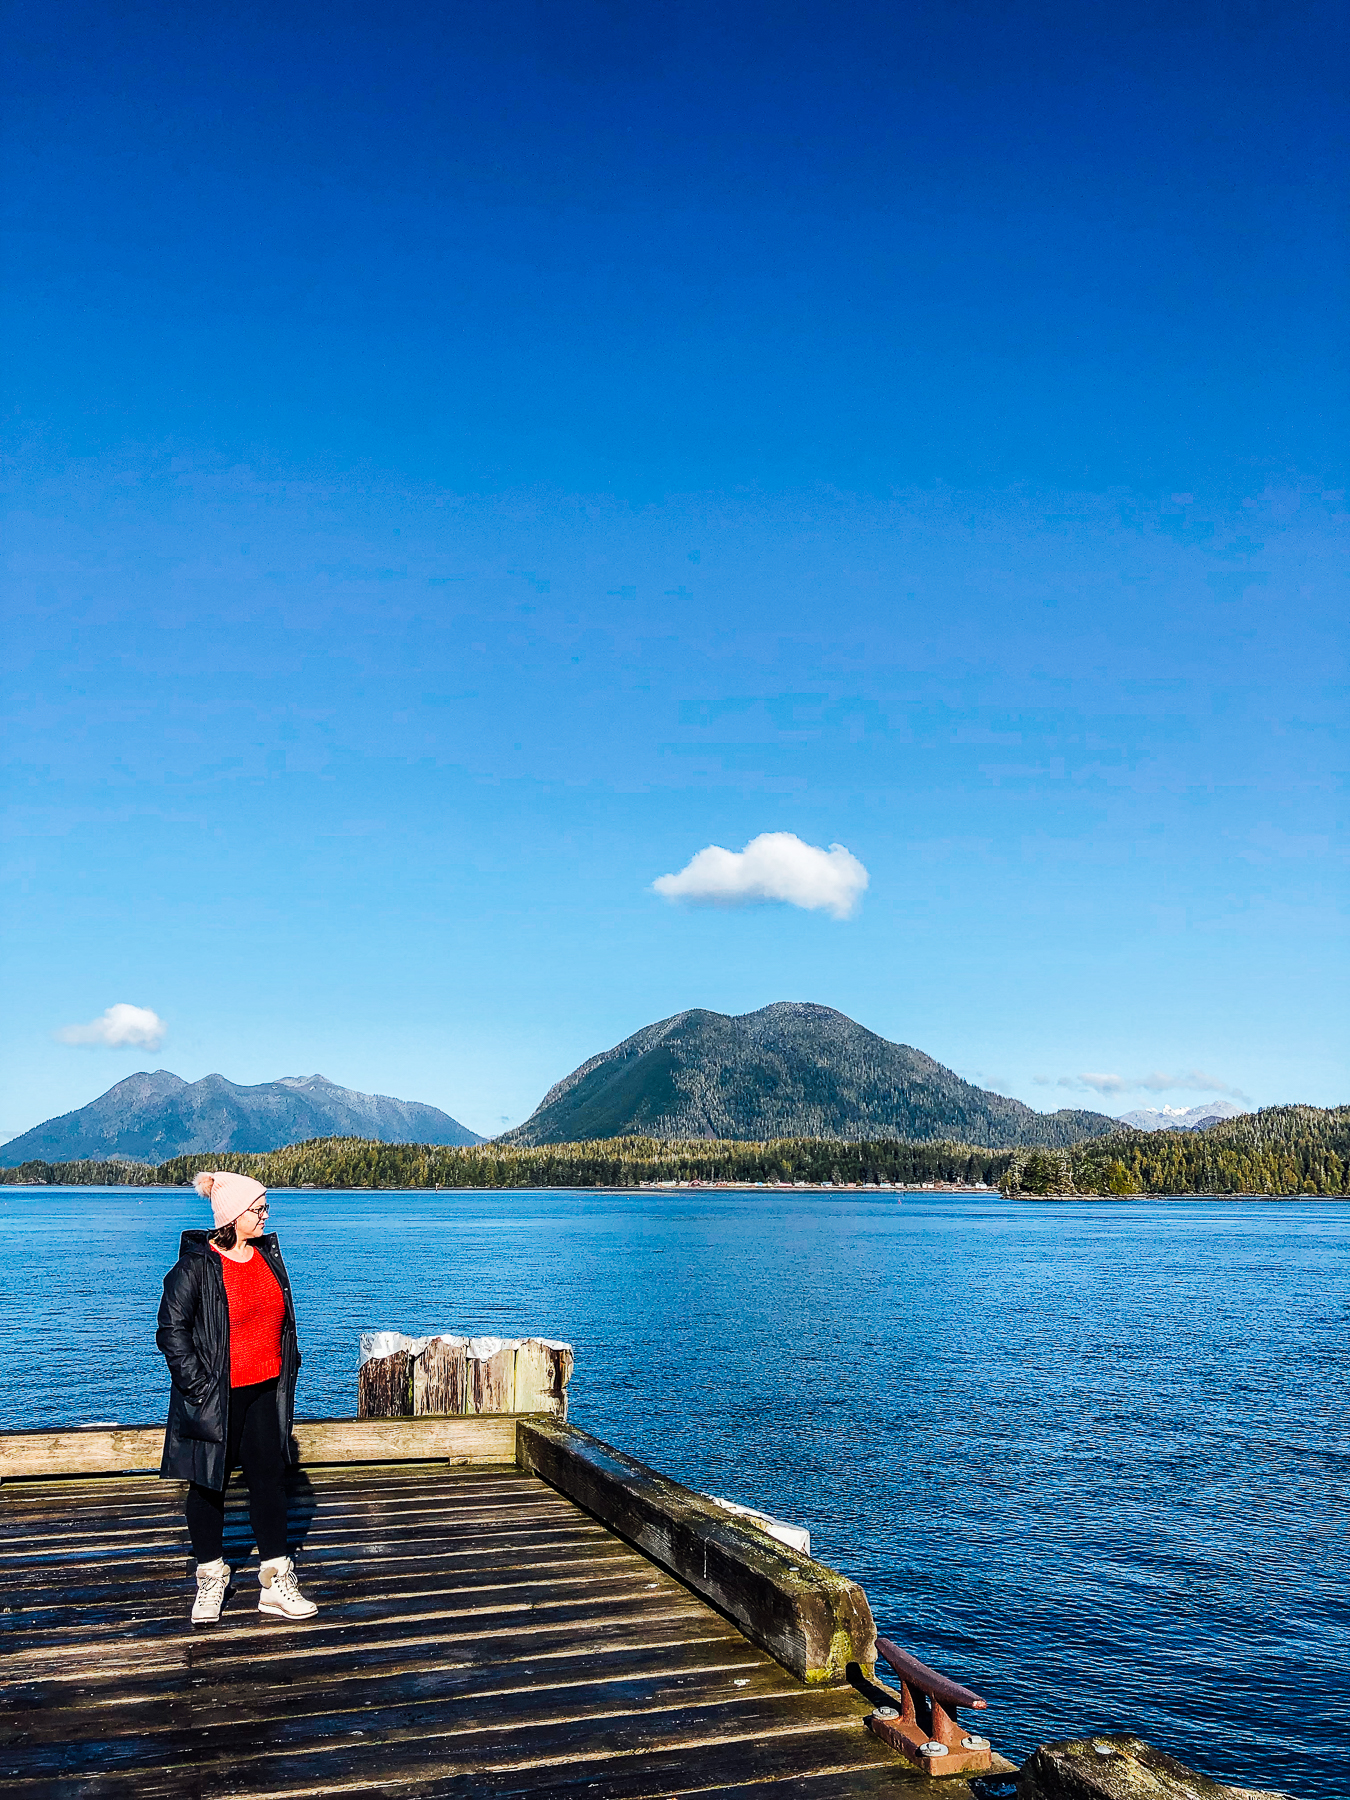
x=479, y=1635
x=485, y=1438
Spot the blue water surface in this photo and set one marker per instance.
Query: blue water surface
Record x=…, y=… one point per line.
x=1089, y=1458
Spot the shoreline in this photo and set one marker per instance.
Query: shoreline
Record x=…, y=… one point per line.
x=970, y=1190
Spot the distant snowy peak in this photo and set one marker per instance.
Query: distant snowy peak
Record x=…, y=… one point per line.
x=1182, y=1118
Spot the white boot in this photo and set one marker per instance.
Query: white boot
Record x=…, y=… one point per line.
x=213, y=1579
x=280, y=1594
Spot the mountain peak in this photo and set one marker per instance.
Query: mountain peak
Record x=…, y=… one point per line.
x=150, y=1118
x=1182, y=1118
x=161, y=1081
x=790, y=1069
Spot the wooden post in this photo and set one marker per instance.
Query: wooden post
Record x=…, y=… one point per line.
x=492, y=1374
x=543, y=1370
x=450, y=1376
x=440, y=1377
x=384, y=1387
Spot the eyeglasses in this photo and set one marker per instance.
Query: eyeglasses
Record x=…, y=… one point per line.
x=260, y=1211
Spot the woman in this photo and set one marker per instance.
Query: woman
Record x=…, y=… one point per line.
x=227, y=1330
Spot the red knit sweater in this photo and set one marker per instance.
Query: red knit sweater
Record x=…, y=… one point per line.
x=257, y=1313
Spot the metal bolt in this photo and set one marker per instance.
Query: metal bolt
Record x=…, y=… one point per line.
x=974, y=1743
x=933, y=1748
x=886, y=1712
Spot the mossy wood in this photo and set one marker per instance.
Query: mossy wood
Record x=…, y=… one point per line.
x=811, y=1619
x=1116, y=1766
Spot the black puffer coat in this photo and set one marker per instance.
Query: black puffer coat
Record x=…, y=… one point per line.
x=194, y=1334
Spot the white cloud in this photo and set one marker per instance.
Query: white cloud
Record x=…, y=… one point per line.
x=1193, y=1081
x=1100, y=1084
x=120, y=1025
x=777, y=865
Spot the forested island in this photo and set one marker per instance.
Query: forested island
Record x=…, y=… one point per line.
x=1283, y=1150
x=792, y=1070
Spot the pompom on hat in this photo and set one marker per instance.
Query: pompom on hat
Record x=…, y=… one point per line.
x=229, y=1194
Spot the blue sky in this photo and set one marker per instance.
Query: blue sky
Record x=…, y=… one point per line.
x=465, y=461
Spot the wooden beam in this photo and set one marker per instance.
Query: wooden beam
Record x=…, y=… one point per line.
x=490, y=1438
x=486, y=1438
x=103, y=1452
x=810, y=1619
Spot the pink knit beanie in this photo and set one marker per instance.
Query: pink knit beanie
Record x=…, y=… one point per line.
x=229, y=1194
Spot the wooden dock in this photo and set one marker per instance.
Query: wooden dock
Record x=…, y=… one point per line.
x=480, y=1633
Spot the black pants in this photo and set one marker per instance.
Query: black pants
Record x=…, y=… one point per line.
x=255, y=1441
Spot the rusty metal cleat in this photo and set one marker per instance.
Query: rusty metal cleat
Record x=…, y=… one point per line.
x=922, y=1727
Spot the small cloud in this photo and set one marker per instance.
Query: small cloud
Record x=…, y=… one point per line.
x=1193, y=1081
x=1100, y=1084
x=777, y=865
x=120, y=1025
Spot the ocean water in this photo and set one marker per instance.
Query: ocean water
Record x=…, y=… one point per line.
x=1091, y=1459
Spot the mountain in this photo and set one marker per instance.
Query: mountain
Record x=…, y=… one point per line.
x=1181, y=1118
x=789, y=1070
x=149, y=1118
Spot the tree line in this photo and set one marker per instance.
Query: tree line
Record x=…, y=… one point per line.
x=608, y=1162
x=1282, y=1150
